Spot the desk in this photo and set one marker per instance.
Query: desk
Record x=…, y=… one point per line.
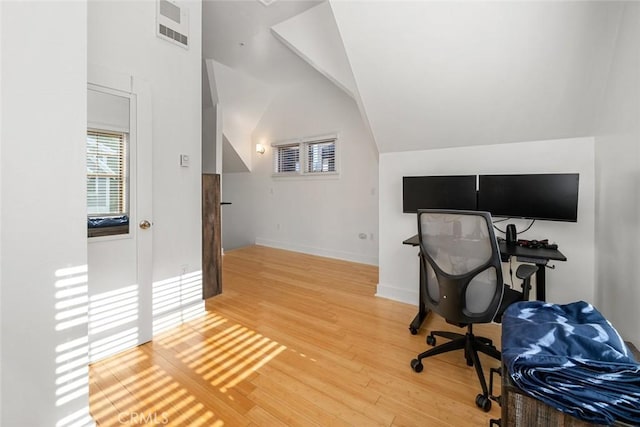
x=538, y=256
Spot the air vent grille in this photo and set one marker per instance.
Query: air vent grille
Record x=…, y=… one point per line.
x=172, y=23
x=180, y=38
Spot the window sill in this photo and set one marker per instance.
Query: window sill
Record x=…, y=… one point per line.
x=107, y=226
x=115, y=230
x=307, y=176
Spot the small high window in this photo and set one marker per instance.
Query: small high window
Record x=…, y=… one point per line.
x=318, y=156
x=321, y=156
x=287, y=159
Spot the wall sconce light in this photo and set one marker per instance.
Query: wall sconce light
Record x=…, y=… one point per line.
x=260, y=149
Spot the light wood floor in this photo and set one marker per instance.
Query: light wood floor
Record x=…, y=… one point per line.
x=294, y=340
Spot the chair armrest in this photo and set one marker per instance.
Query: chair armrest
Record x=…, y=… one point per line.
x=525, y=271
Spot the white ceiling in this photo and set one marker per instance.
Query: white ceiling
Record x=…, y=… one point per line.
x=237, y=34
x=443, y=74
x=433, y=74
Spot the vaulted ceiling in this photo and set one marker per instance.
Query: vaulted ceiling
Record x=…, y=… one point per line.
x=431, y=74
x=238, y=35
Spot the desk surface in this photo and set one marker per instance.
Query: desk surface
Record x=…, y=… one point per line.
x=538, y=253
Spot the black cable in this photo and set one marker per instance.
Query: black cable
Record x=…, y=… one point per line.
x=518, y=232
x=527, y=229
x=494, y=226
x=501, y=220
x=511, y=271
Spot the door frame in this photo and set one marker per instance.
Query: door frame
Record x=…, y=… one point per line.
x=139, y=93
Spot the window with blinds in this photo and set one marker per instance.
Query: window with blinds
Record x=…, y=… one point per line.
x=318, y=157
x=321, y=156
x=287, y=159
x=106, y=174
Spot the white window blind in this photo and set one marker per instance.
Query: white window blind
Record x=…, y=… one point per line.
x=321, y=156
x=106, y=173
x=287, y=158
x=306, y=156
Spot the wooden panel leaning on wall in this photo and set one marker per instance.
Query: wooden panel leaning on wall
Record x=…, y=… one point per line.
x=211, y=236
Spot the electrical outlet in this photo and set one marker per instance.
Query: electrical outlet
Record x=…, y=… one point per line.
x=362, y=236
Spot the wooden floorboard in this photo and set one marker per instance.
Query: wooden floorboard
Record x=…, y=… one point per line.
x=294, y=340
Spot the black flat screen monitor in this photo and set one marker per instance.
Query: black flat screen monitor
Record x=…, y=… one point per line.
x=538, y=196
x=438, y=192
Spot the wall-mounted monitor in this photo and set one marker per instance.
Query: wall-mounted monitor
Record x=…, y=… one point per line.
x=536, y=196
x=438, y=192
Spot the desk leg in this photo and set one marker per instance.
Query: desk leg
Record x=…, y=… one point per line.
x=417, y=321
x=423, y=311
x=541, y=294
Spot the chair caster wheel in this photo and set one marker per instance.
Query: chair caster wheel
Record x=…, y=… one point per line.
x=416, y=365
x=431, y=340
x=413, y=330
x=483, y=402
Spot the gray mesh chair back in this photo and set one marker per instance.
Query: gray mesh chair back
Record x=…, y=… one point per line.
x=462, y=263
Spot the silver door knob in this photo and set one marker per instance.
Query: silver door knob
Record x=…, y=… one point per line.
x=144, y=224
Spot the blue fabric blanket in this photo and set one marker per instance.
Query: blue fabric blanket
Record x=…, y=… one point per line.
x=571, y=357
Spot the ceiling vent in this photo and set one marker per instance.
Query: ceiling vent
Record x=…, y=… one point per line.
x=173, y=23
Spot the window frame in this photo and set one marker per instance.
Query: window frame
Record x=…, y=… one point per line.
x=123, y=176
x=107, y=123
x=119, y=229
x=303, y=145
x=277, y=158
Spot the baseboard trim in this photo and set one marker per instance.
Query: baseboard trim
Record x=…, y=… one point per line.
x=178, y=316
x=394, y=293
x=328, y=253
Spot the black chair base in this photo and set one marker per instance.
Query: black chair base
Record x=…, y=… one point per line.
x=471, y=345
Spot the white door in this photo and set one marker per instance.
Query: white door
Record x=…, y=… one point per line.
x=119, y=266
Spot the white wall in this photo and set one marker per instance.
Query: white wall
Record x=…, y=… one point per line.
x=571, y=280
x=243, y=101
x=319, y=216
x=239, y=220
x=0, y=209
x=122, y=38
x=43, y=217
x=211, y=123
x=617, y=147
x=209, y=152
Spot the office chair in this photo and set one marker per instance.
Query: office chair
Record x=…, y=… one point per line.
x=461, y=263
